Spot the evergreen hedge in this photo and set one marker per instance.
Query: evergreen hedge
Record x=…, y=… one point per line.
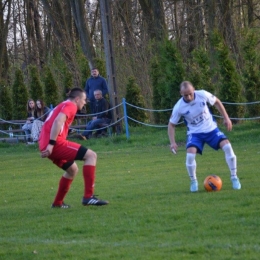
x=167, y=72
x=134, y=97
x=5, y=102
x=20, y=96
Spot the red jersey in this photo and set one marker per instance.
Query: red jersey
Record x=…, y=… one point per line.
x=69, y=109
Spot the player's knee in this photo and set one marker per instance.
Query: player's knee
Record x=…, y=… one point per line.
x=224, y=143
x=190, y=158
x=228, y=150
x=93, y=155
x=75, y=168
x=72, y=170
x=90, y=156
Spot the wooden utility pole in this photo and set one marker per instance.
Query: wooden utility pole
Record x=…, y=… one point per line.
x=110, y=61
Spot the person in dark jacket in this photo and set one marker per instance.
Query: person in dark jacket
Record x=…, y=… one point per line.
x=103, y=115
x=95, y=82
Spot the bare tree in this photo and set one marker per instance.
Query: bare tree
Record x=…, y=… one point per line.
x=33, y=31
x=126, y=16
x=226, y=26
x=153, y=15
x=79, y=15
x=5, y=13
x=58, y=20
x=38, y=32
x=33, y=56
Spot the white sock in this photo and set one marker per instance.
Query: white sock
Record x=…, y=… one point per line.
x=231, y=160
x=191, y=166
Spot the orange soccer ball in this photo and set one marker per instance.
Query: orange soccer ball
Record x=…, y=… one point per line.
x=212, y=183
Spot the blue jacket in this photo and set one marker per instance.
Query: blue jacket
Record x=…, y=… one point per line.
x=94, y=83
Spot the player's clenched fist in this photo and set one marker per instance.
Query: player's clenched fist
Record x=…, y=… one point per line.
x=47, y=152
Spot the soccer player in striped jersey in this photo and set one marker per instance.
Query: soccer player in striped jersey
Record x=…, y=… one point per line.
x=63, y=153
x=201, y=129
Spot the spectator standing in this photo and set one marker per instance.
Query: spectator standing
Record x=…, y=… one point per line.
x=103, y=116
x=63, y=153
x=201, y=129
x=93, y=83
x=27, y=127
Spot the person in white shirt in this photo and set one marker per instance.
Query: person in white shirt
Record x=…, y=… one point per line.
x=201, y=129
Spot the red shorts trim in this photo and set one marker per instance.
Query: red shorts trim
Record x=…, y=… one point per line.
x=64, y=152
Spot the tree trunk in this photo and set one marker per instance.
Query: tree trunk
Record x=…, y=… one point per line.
x=38, y=33
x=250, y=12
x=59, y=24
x=32, y=48
x=153, y=15
x=226, y=27
x=125, y=14
x=6, y=9
x=79, y=15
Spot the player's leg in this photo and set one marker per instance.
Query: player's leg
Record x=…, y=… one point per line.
x=71, y=170
x=63, y=155
x=70, y=151
x=194, y=145
x=217, y=139
x=231, y=160
x=89, y=169
x=74, y=151
x=191, y=168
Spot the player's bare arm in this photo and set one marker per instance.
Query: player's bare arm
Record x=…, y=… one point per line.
x=171, y=134
x=219, y=106
x=55, y=130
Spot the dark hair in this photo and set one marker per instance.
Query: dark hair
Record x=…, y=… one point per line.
x=94, y=68
x=40, y=111
x=75, y=92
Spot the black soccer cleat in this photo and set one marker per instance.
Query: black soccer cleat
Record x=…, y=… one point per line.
x=62, y=206
x=93, y=201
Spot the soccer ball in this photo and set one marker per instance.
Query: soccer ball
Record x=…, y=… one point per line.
x=212, y=183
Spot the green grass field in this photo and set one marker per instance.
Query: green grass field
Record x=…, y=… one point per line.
x=151, y=215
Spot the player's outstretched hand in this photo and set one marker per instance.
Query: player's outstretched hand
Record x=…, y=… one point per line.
x=47, y=152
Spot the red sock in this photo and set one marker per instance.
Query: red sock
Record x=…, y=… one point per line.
x=89, y=180
x=64, y=187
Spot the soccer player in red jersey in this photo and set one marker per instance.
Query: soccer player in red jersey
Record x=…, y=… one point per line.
x=54, y=146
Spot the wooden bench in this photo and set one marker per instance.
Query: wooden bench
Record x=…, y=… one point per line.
x=12, y=123
x=18, y=133
x=79, y=125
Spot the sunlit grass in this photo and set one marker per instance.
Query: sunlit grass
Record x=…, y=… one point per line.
x=151, y=215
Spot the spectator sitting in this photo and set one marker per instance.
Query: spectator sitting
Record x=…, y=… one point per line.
x=41, y=113
x=100, y=105
x=27, y=127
